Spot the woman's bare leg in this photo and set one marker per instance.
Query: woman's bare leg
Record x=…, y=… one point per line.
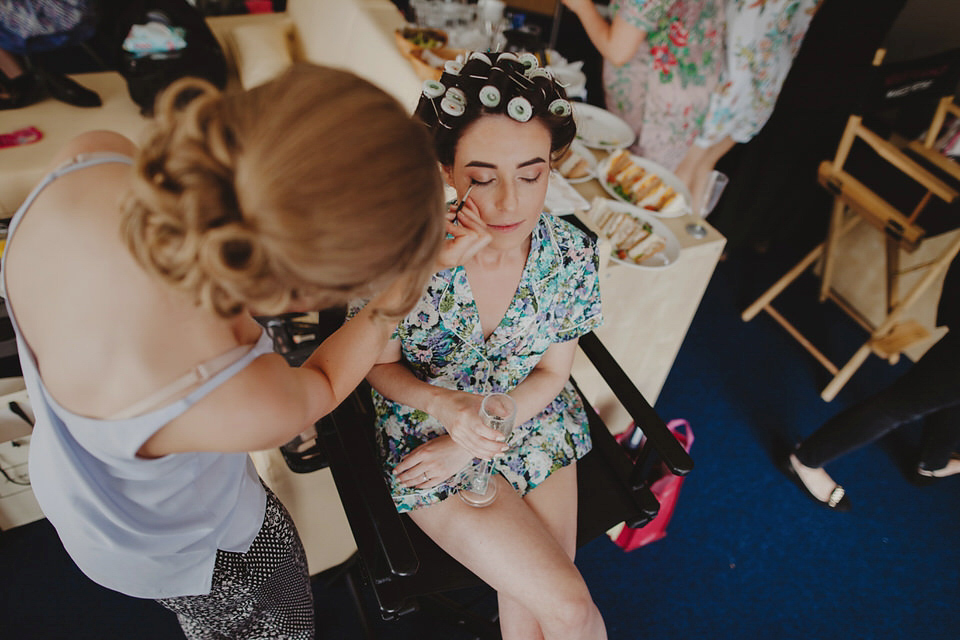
x=687, y=168
x=511, y=549
x=555, y=503
x=9, y=65
x=10, y=68
x=694, y=170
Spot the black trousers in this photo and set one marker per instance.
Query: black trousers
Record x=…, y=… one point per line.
x=930, y=391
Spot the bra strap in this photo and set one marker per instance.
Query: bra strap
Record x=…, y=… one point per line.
x=197, y=375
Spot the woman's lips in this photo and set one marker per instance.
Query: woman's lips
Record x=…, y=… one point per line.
x=503, y=228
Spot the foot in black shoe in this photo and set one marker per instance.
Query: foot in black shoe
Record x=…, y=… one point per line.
x=66, y=90
x=837, y=499
x=952, y=468
x=20, y=91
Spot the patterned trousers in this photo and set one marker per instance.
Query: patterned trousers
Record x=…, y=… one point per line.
x=263, y=593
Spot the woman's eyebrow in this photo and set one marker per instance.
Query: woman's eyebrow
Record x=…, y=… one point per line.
x=536, y=160
x=487, y=165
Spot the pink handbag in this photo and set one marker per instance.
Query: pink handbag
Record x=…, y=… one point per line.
x=665, y=487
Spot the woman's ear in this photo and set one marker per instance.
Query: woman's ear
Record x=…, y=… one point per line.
x=447, y=175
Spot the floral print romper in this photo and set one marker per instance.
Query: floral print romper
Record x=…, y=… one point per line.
x=663, y=92
x=558, y=299
x=763, y=38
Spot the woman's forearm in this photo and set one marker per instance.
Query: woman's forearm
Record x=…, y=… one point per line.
x=596, y=26
x=457, y=411
x=545, y=382
x=395, y=381
x=346, y=357
x=537, y=391
x=617, y=42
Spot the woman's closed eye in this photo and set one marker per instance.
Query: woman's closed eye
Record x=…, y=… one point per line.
x=532, y=180
x=529, y=180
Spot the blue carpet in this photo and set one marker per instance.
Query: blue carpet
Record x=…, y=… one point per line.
x=747, y=555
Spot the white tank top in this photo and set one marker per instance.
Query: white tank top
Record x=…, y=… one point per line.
x=149, y=528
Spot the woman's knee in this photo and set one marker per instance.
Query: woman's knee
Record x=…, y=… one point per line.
x=572, y=609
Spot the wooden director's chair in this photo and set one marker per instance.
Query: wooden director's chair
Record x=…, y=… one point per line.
x=930, y=174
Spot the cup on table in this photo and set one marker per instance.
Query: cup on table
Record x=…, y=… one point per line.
x=497, y=411
x=716, y=183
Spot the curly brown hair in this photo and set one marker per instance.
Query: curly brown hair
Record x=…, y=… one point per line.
x=309, y=190
x=509, y=77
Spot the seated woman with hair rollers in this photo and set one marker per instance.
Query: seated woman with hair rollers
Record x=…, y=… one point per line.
x=506, y=321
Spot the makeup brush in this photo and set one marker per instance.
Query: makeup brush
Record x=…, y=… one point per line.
x=463, y=201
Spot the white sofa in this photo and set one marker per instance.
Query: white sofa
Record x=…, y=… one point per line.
x=351, y=34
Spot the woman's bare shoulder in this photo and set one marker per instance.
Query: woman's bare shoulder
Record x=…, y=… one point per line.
x=94, y=141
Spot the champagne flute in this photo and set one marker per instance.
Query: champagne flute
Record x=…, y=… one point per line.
x=497, y=411
x=491, y=13
x=716, y=183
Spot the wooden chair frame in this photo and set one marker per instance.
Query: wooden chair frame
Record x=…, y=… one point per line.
x=924, y=148
x=853, y=203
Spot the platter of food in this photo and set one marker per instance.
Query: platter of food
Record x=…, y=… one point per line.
x=643, y=183
x=577, y=164
x=639, y=239
x=600, y=129
x=410, y=38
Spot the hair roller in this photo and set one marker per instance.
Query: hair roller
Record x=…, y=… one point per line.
x=495, y=83
x=453, y=67
x=433, y=89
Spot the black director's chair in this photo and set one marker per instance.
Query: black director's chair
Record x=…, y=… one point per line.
x=408, y=571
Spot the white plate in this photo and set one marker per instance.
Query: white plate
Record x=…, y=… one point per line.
x=665, y=258
x=600, y=129
x=562, y=198
x=578, y=148
x=650, y=166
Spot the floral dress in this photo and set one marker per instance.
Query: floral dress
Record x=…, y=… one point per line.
x=663, y=92
x=763, y=37
x=558, y=299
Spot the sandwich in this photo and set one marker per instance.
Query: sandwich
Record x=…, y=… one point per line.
x=651, y=244
x=619, y=160
x=656, y=201
x=632, y=239
x=640, y=187
x=644, y=188
x=571, y=165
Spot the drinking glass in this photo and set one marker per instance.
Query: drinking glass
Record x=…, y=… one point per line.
x=497, y=411
x=490, y=12
x=716, y=183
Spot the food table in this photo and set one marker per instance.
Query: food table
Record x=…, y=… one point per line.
x=646, y=311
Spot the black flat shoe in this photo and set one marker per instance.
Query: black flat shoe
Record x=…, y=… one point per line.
x=917, y=479
x=66, y=90
x=21, y=91
x=838, y=500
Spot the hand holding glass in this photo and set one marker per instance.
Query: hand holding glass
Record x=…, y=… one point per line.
x=497, y=411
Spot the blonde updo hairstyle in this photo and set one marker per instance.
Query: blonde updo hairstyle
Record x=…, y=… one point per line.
x=304, y=192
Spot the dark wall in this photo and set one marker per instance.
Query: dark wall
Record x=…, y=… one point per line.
x=924, y=27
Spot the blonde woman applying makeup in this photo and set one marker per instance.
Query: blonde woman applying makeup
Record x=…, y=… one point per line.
x=132, y=276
